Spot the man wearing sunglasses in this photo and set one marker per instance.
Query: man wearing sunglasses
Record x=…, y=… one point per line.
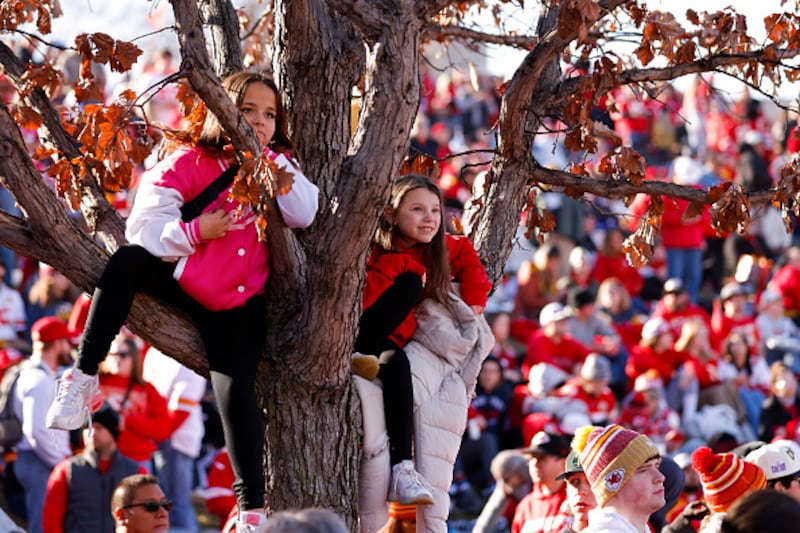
x=79, y=489
x=139, y=505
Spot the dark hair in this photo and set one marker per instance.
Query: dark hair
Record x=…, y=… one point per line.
x=762, y=511
x=435, y=260
x=728, y=354
x=125, y=491
x=136, y=377
x=236, y=85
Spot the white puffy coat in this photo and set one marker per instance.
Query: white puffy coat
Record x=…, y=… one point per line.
x=445, y=355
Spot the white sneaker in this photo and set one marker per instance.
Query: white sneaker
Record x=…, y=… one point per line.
x=71, y=407
x=251, y=522
x=408, y=486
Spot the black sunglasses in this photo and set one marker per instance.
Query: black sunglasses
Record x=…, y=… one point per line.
x=151, y=507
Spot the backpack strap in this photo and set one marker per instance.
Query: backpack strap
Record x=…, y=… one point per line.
x=193, y=208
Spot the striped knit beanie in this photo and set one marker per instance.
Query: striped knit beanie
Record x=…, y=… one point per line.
x=402, y=511
x=610, y=455
x=725, y=477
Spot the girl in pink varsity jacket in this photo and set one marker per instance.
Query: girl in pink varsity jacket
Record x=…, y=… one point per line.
x=214, y=267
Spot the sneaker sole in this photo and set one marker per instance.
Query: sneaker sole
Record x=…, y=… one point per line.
x=419, y=500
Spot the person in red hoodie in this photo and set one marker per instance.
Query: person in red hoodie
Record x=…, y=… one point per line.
x=612, y=263
x=552, y=345
x=412, y=258
x=676, y=308
x=786, y=282
x=144, y=414
x=731, y=314
x=655, y=351
x=682, y=237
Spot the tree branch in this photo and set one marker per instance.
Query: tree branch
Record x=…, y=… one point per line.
x=100, y=217
x=368, y=16
x=223, y=22
x=452, y=33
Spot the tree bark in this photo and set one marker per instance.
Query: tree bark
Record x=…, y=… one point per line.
x=223, y=22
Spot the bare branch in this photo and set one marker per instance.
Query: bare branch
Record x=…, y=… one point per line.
x=450, y=33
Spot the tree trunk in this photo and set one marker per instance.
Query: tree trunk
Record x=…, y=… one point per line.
x=312, y=411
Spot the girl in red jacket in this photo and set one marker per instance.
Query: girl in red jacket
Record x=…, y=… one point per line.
x=213, y=266
x=412, y=259
x=143, y=412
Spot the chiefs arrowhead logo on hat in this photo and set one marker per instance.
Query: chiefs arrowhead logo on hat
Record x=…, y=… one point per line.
x=614, y=479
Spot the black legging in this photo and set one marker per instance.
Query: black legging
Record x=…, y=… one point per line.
x=233, y=339
x=377, y=322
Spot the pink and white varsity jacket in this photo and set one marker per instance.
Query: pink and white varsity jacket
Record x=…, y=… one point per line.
x=221, y=273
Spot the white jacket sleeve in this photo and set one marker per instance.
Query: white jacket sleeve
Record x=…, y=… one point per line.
x=299, y=205
x=155, y=223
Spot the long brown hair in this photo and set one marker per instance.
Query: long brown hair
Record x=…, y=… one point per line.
x=213, y=137
x=437, y=277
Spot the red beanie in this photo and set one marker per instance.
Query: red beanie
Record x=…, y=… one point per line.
x=725, y=477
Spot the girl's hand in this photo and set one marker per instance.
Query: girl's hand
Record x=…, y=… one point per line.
x=214, y=224
x=477, y=309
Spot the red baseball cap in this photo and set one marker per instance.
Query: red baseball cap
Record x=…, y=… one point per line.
x=50, y=329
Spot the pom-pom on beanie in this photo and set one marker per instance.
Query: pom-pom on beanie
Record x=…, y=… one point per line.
x=610, y=455
x=725, y=477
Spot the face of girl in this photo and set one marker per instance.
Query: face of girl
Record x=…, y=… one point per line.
x=491, y=375
x=418, y=217
x=259, y=108
x=644, y=491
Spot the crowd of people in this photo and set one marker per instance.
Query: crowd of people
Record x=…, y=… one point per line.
x=677, y=380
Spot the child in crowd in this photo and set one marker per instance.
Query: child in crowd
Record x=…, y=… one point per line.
x=413, y=258
x=214, y=267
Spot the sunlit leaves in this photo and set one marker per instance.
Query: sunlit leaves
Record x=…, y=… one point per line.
x=258, y=180
x=537, y=221
x=102, y=49
x=623, y=163
x=14, y=13
x=111, y=145
x=43, y=76
x=639, y=246
x=731, y=212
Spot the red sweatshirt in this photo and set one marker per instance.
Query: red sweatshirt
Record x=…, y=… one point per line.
x=465, y=267
x=145, y=416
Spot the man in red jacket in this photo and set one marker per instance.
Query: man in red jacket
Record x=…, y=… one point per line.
x=543, y=510
x=79, y=488
x=676, y=308
x=551, y=344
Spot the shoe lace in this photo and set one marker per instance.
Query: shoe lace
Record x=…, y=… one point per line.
x=67, y=391
x=416, y=480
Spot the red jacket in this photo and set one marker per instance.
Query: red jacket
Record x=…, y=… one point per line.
x=786, y=281
x=675, y=232
x=643, y=358
x=145, y=416
x=602, y=409
x=618, y=267
x=542, y=513
x=677, y=319
x=54, y=511
x=220, y=498
x=465, y=267
x=564, y=354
